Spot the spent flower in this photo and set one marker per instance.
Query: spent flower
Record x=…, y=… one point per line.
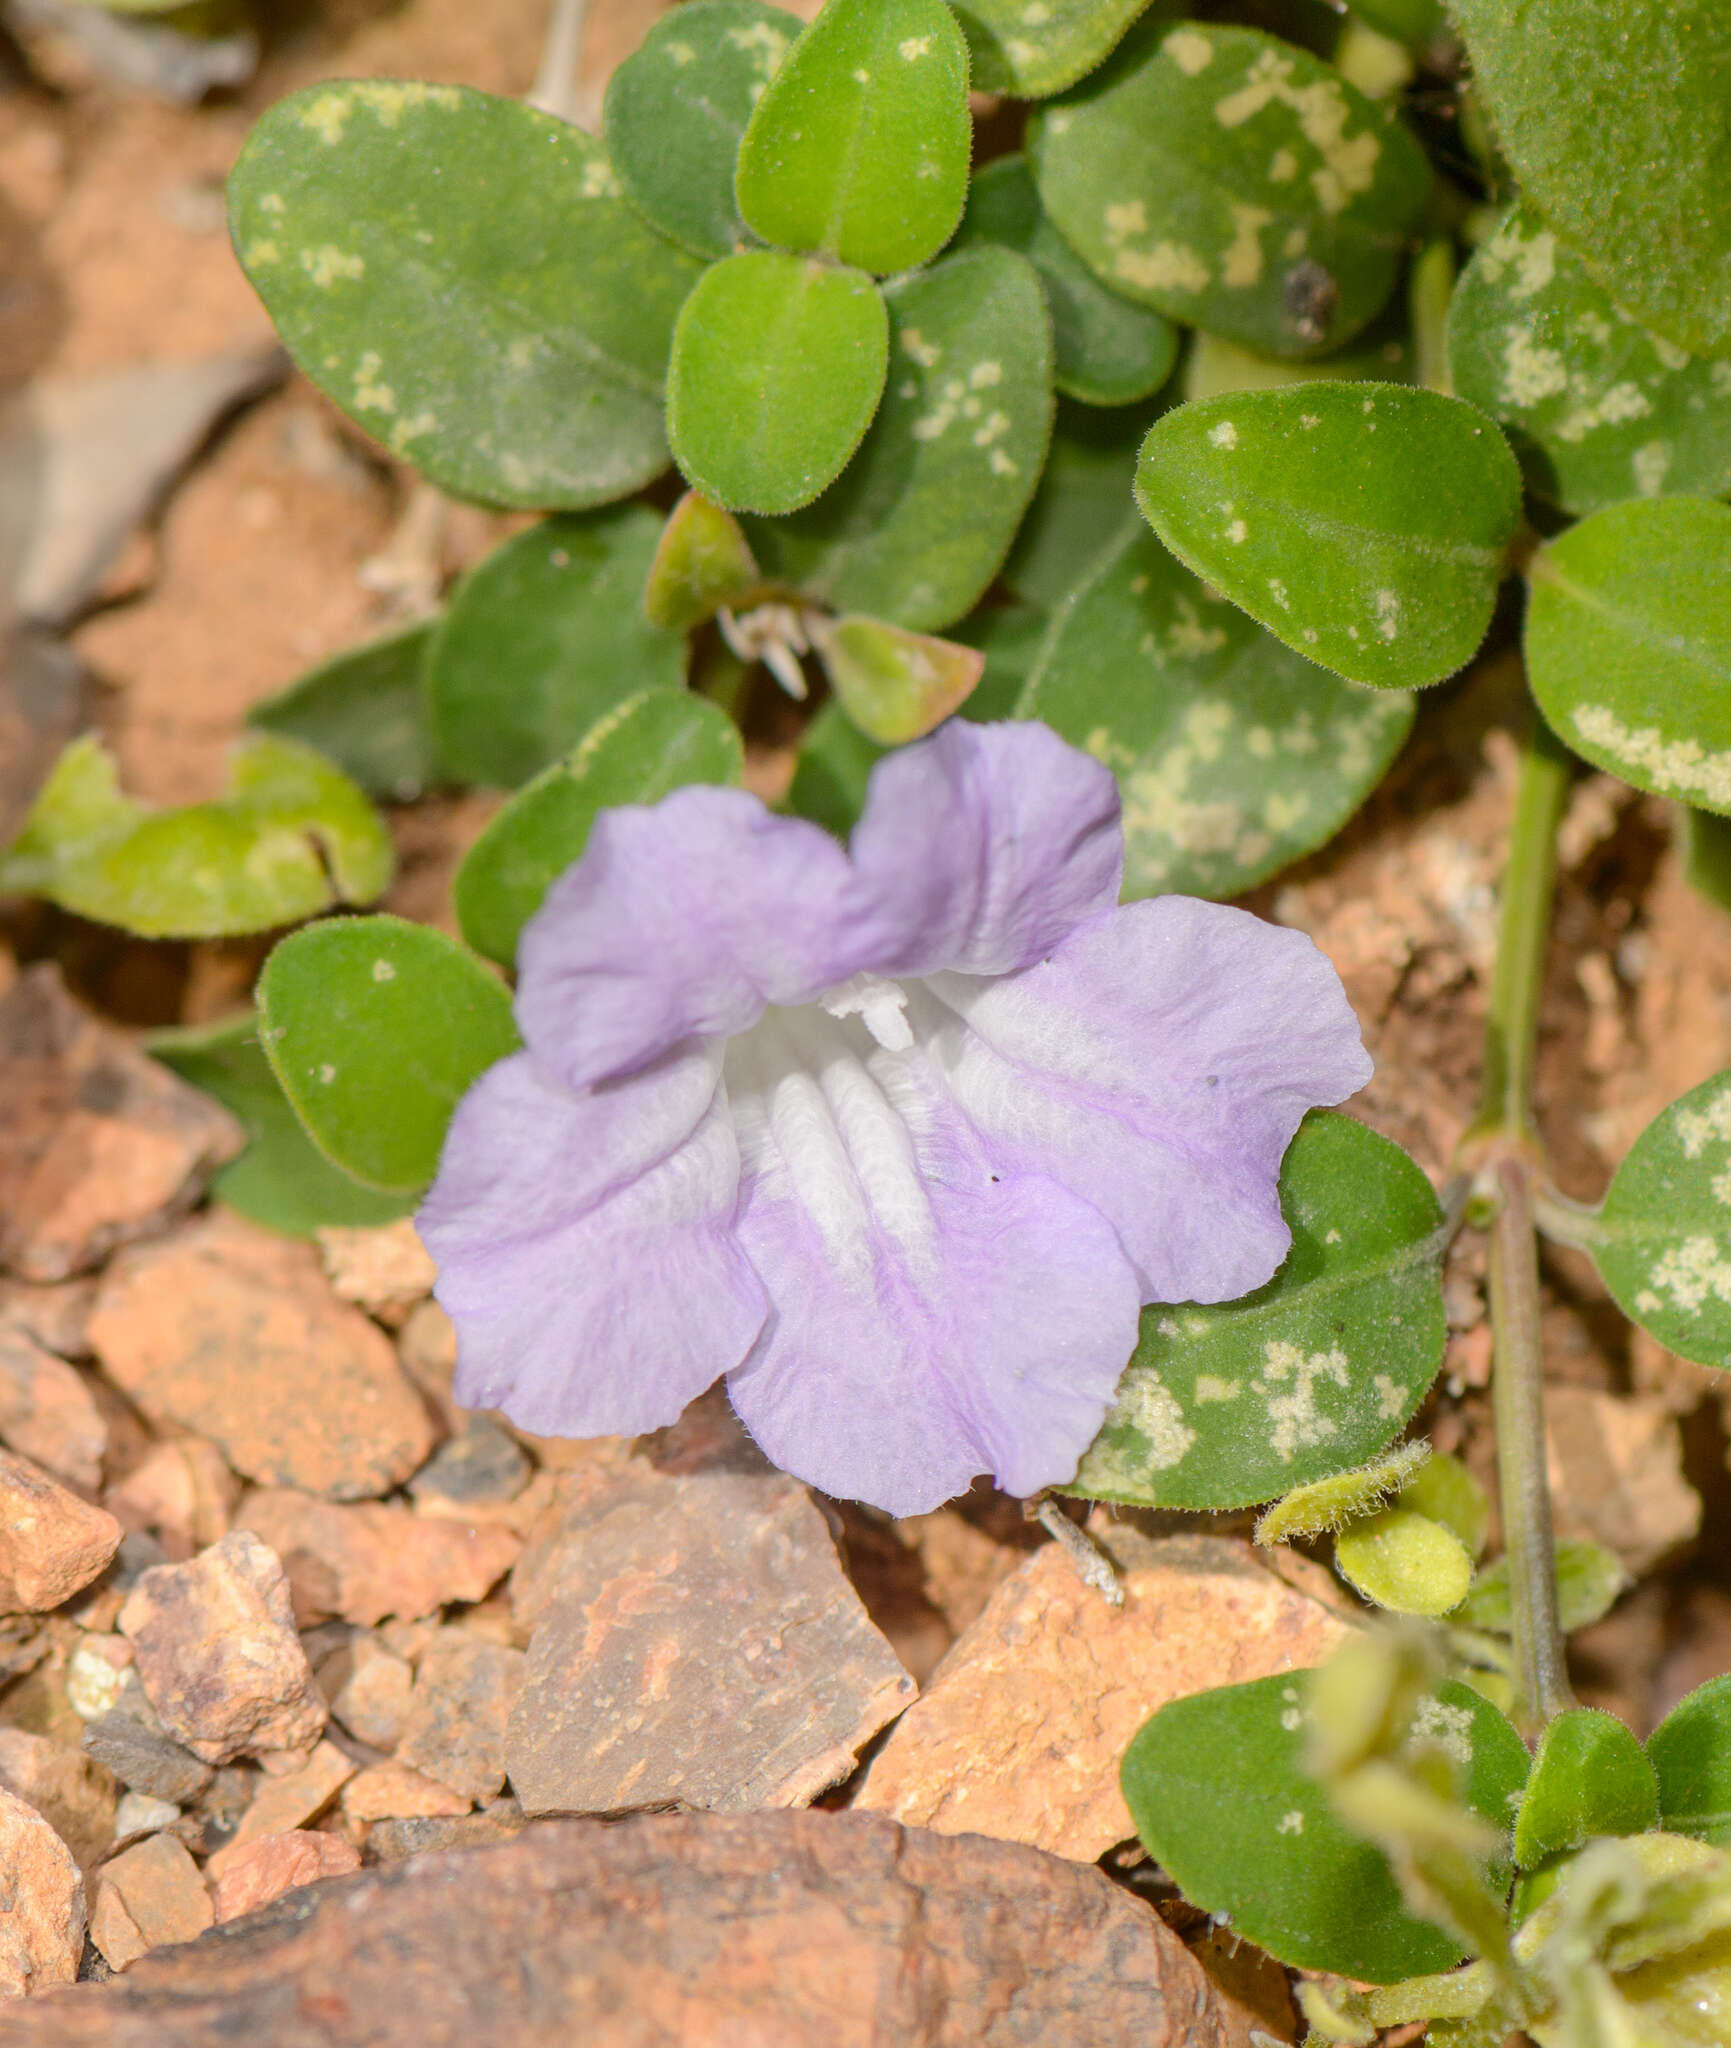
x=898, y=1137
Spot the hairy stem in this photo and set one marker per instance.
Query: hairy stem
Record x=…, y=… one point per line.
x=555, y=87
x=1541, y=1676
x=1503, y=1144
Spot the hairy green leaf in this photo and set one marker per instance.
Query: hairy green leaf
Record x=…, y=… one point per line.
x=1035, y=51
x=466, y=279
x=1691, y=1756
x=1366, y=525
x=366, y=710
x=1315, y=1371
x=1589, y=1777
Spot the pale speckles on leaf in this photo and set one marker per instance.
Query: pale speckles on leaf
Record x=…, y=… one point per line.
x=1388, y=614
x=914, y=48
x=1443, y=1727
x=1223, y=434
x=1650, y=464
x=1288, y=1384
x=985, y=376
x=1167, y=267
x=384, y=971
x=327, y=264
x=327, y=115
x=261, y=253
x=1697, y=1128
x=1531, y=374
x=1241, y=266
x=1390, y=1398
x=1277, y=590
x=928, y=354
x=680, y=54
x=600, y=180
x=1237, y=532
x=1676, y=767
x=1282, y=167
x=1348, y=164
x=1688, y=1273
x=1209, y=1387
x=1290, y=1823
x=273, y=203
x=370, y=394
x=1531, y=258
x=1189, y=50
x=1307, y=420
x=390, y=99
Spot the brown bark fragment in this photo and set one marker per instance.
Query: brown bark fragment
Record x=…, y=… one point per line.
x=676, y=1931
x=1027, y=1719
x=235, y=1334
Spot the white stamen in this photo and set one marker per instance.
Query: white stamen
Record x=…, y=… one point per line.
x=880, y=1005
x=774, y=634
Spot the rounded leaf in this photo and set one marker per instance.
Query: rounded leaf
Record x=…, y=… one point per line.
x=1404, y=1561
x=1589, y=1581
x=1107, y=350
x=654, y=742
x=1366, y=525
x=366, y=710
x=778, y=366
x=1589, y=1777
x=376, y=1028
x=282, y=1180
x=1445, y=1490
x=1628, y=644
x=895, y=685
x=1691, y=1755
x=1598, y=408
x=465, y=278
x=1663, y=1239
x=1234, y=755
x=677, y=108
x=1318, y=1370
x=1233, y=182
x=922, y=518
x=1217, y=1788
x=541, y=638
x=1617, y=119
x=859, y=146
x=702, y=562
x=1032, y=52
x=292, y=836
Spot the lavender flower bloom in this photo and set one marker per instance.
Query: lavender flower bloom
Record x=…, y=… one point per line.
x=899, y=1138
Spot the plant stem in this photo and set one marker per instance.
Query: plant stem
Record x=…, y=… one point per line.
x=1541, y=1677
x=555, y=87
x=1529, y=882
x=1504, y=1143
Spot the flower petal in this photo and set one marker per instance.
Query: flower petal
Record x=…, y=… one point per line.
x=985, y=845
x=586, y=1249
x=1158, y=1064
x=931, y=1320
x=681, y=920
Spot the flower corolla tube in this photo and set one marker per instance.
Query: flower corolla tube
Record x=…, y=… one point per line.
x=897, y=1137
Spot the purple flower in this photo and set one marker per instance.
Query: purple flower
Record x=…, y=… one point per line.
x=899, y=1138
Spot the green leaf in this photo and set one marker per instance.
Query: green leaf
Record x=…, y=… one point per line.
x=1331, y=1504
x=702, y=562
x=1445, y=1490
x=1628, y=644
x=677, y=109
x=1705, y=846
x=778, y=366
x=1598, y=409
x=366, y=710
x=1589, y=1777
x=858, y=148
x=1217, y=1788
x=1010, y=637
x=1316, y=1371
x=1033, y=52
x=1107, y=350
x=1589, y=1581
x=1366, y=525
x=1084, y=502
x=1234, y=755
x=543, y=637
x=654, y=742
x=1616, y=115
x=281, y=1181
x=1233, y=182
x=924, y=515
x=1663, y=1239
x=1691, y=1755
x=895, y=685
x=1382, y=354
x=1416, y=22
x=1404, y=1561
x=376, y=1028
x=292, y=836
x=465, y=278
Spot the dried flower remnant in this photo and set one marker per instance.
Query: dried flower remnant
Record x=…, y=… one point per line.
x=899, y=1138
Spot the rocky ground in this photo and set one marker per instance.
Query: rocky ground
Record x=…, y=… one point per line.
x=292, y=1648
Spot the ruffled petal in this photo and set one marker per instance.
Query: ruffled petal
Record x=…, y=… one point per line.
x=932, y=1319
x=682, y=920
x=586, y=1249
x=984, y=846
x=1158, y=1065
